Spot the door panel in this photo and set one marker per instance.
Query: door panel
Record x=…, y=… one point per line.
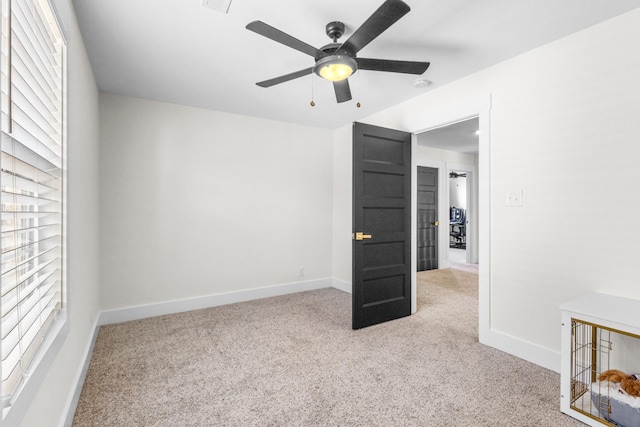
x=382, y=212
x=386, y=151
x=384, y=219
x=383, y=289
x=384, y=185
x=378, y=255
x=427, y=251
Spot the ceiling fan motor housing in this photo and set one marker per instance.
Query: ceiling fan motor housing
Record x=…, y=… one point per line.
x=331, y=66
x=329, y=49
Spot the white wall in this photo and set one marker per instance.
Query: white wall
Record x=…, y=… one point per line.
x=564, y=129
x=429, y=154
x=49, y=406
x=342, y=205
x=197, y=203
x=458, y=192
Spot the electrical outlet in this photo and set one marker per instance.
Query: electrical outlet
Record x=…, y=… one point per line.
x=300, y=271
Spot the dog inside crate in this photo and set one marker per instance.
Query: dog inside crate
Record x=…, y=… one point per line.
x=605, y=374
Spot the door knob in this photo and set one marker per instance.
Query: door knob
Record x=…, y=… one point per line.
x=437, y=223
x=361, y=236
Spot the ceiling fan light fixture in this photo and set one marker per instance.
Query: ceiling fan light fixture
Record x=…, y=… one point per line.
x=336, y=72
x=336, y=68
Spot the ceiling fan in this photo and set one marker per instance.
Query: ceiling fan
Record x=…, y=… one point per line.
x=337, y=61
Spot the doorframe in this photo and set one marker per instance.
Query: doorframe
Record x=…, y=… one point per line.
x=480, y=108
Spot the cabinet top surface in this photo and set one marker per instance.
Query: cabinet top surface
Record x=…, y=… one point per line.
x=610, y=308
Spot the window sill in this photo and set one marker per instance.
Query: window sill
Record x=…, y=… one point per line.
x=13, y=414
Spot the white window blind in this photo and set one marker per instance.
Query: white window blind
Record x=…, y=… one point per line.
x=32, y=163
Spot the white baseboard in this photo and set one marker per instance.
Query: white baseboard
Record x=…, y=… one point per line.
x=530, y=352
x=80, y=377
x=342, y=285
x=189, y=304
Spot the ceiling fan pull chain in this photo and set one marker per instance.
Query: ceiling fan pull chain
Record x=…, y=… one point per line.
x=358, y=103
x=313, y=104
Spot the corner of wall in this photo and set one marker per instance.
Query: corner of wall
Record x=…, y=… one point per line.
x=342, y=204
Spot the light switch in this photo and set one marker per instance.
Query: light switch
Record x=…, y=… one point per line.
x=514, y=198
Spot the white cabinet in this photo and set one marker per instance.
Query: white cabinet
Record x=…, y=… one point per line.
x=599, y=332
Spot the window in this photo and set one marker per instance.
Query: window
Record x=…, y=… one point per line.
x=32, y=282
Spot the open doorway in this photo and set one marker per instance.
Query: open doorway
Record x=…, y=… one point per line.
x=453, y=149
x=463, y=239
x=458, y=216
x=418, y=122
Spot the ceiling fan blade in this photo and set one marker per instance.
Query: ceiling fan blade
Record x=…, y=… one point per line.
x=408, y=67
x=286, y=77
x=274, y=34
x=343, y=91
x=383, y=18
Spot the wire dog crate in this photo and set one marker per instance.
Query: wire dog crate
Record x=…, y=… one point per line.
x=600, y=333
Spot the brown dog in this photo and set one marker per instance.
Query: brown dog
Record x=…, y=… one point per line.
x=629, y=383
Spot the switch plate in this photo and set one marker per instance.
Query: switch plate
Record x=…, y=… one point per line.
x=514, y=199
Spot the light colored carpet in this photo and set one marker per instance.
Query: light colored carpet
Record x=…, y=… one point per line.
x=294, y=360
x=458, y=260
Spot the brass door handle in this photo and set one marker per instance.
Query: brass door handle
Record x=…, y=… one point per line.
x=437, y=223
x=361, y=236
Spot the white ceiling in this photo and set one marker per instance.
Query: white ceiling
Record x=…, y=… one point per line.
x=180, y=52
x=460, y=137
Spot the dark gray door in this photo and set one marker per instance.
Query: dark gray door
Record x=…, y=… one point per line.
x=381, y=225
x=427, y=218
